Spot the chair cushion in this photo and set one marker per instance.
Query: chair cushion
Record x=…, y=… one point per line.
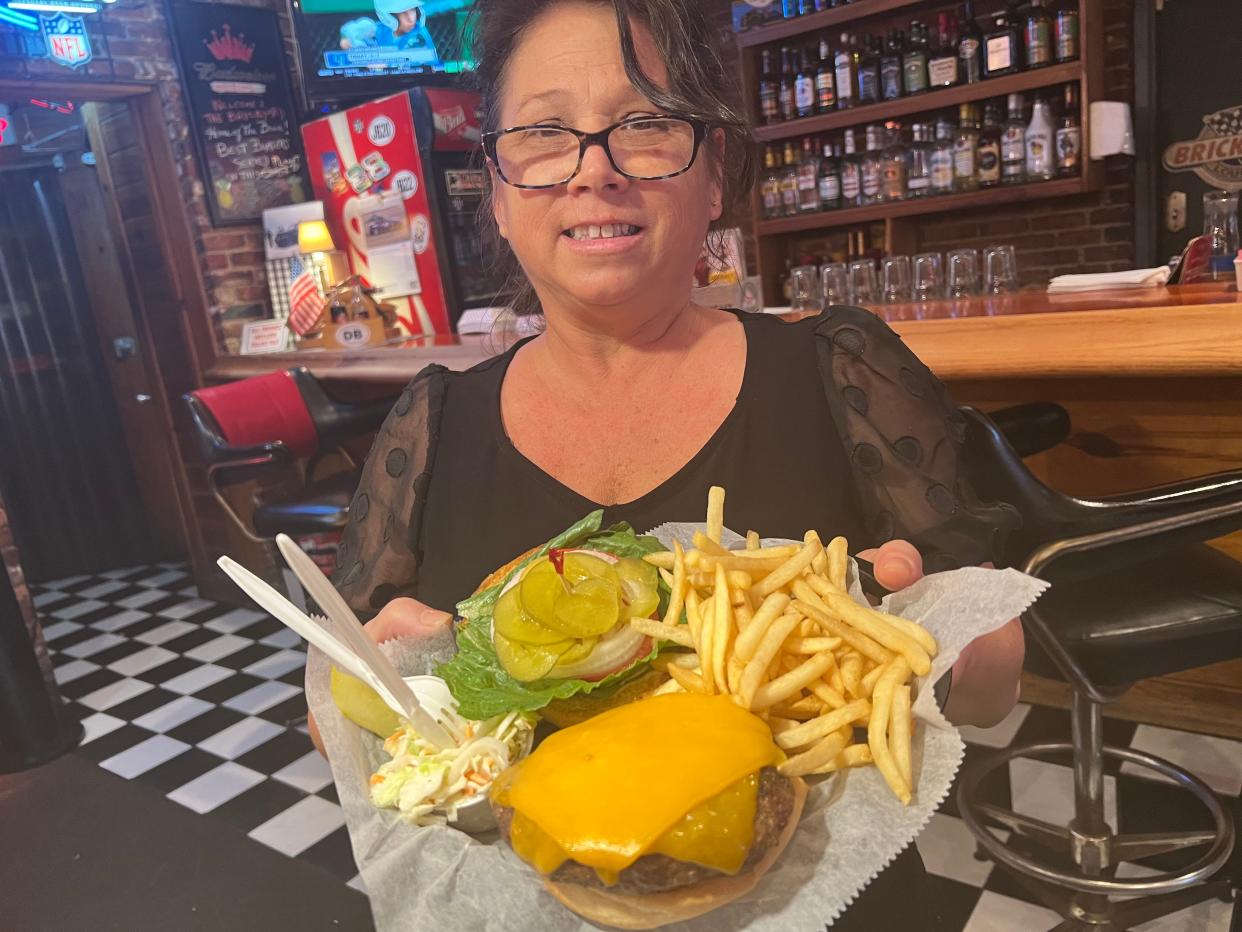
x=1175, y=613
x=321, y=506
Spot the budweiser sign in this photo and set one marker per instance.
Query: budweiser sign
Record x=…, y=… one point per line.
x=1216, y=156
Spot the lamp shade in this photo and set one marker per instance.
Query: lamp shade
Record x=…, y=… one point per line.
x=313, y=236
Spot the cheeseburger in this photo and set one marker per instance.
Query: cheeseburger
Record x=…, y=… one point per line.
x=652, y=812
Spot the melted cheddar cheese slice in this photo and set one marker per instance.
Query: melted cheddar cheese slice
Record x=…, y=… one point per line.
x=672, y=774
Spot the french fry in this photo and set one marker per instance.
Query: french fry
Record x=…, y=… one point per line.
x=790, y=683
x=757, y=627
x=788, y=571
x=678, y=634
x=811, y=645
x=869, y=679
x=694, y=615
x=855, y=755
x=687, y=661
x=808, y=761
x=838, y=558
x=812, y=704
x=783, y=551
x=707, y=545
x=755, y=562
x=897, y=671
x=722, y=630
x=851, y=673
x=661, y=558
x=733, y=673
x=742, y=614
x=690, y=681
x=802, y=589
x=826, y=724
x=916, y=631
x=666, y=576
x=707, y=639
x=715, y=512
x=899, y=733
x=874, y=625
x=850, y=635
x=778, y=724
x=737, y=579
x=752, y=540
x=764, y=653
x=670, y=686
x=677, y=598
x=829, y=696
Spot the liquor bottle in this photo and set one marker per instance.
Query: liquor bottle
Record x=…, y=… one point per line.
x=785, y=90
x=966, y=150
x=1040, y=154
x=1065, y=31
x=1037, y=41
x=893, y=165
x=869, y=72
x=914, y=62
x=825, y=85
x=829, y=177
x=872, y=166
x=919, y=161
x=990, y=148
x=970, y=46
x=1069, y=136
x=1013, y=143
x=892, y=85
x=769, y=102
x=804, y=86
x=942, y=158
x=808, y=178
x=942, y=67
x=846, y=73
x=805, y=7
x=789, y=182
x=789, y=8
x=771, y=187
x=851, y=173
x=1001, y=47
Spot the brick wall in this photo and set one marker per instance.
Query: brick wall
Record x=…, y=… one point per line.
x=132, y=43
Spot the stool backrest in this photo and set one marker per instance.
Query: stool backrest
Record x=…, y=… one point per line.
x=260, y=410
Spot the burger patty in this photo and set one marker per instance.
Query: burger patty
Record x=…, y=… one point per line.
x=654, y=873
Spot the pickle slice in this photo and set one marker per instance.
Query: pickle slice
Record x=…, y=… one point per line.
x=639, y=593
x=362, y=705
x=540, y=588
x=583, y=566
x=527, y=662
x=512, y=621
x=581, y=649
x=592, y=607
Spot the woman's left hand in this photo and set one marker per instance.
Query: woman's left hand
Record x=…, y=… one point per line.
x=987, y=675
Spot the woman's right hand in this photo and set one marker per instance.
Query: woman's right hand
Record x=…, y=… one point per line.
x=399, y=618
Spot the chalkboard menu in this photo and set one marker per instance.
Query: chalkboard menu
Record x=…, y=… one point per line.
x=242, y=116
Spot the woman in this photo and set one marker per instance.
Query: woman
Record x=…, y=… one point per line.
x=612, y=148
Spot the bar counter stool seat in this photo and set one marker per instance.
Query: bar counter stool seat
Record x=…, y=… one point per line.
x=1135, y=594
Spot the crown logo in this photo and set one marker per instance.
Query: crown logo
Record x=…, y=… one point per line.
x=229, y=47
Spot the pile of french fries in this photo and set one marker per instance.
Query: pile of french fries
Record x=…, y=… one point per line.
x=774, y=628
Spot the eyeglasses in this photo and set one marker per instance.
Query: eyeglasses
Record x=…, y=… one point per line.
x=642, y=148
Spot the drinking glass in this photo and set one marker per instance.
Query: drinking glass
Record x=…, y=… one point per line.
x=928, y=277
x=862, y=282
x=895, y=279
x=834, y=279
x=1000, y=270
x=804, y=289
x=963, y=273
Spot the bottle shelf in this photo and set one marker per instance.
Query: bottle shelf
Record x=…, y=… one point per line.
x=888, y=210
x=944, y=99
x=814, y=22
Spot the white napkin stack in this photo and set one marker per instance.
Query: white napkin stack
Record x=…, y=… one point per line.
x=1137, y=278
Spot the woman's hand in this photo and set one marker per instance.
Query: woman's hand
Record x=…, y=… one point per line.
x=399, y=618
x=987, y=675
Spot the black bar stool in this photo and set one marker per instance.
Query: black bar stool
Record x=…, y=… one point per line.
x=1135, y=594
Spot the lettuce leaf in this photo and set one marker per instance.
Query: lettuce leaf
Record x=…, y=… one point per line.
x=475, y=677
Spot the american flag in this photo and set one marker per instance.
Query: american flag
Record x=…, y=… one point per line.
x=305, y=302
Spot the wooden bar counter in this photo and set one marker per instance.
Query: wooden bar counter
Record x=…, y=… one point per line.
x=1152, y=379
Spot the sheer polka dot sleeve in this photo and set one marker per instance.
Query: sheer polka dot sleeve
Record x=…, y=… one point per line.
x=379, y=556
x=903, y=436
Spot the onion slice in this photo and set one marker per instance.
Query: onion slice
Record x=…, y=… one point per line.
x=615, y=651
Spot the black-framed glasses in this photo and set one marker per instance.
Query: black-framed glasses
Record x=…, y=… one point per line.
x=646, y=148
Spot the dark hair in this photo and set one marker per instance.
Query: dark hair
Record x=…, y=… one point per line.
x=699, y=85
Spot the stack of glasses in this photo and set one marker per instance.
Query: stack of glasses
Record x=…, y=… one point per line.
x=903, y=279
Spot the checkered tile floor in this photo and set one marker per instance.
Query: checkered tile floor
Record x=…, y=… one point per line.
x=202, y=703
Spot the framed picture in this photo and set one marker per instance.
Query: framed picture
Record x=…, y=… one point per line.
x=280, y=227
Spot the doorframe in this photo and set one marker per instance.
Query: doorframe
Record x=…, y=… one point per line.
x=1148, y=212
x=178, y=250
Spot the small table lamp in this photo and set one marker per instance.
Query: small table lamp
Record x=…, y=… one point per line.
x=315, y=241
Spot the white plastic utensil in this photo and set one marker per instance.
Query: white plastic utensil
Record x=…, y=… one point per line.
x=402, y=700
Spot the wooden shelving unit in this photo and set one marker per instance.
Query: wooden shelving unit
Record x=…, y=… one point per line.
x=777, y=237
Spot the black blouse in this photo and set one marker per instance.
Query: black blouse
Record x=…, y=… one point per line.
x=837, y=426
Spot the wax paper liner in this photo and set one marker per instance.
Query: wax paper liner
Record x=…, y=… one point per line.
x=435, y=878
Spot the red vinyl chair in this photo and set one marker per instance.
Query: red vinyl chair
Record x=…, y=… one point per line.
x=262, y=425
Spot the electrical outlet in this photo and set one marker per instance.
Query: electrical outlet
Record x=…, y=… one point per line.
x=1175, y=212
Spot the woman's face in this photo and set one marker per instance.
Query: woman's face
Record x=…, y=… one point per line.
x=568, y=71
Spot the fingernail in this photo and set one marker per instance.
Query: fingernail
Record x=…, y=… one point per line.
x=896, y=563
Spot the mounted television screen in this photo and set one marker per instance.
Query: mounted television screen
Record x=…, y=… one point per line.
x=358, y=47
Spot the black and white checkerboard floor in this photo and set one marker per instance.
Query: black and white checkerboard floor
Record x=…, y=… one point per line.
x=202, y=703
